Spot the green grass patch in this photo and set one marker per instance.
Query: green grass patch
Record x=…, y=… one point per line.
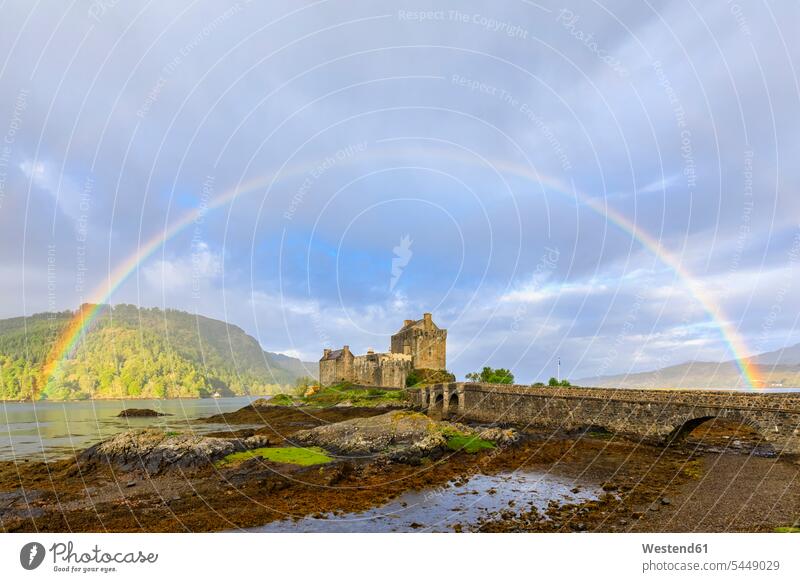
x=787, y=529
x=282, y=400
x=457, y=441
x=290, y=455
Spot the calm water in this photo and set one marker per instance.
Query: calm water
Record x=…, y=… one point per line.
x=438, y=510
x=58, y=429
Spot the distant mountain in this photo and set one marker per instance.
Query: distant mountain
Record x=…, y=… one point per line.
x=784, y=357
x=778, y=368
x=129, y=352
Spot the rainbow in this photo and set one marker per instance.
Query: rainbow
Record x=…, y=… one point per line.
x=70, y=336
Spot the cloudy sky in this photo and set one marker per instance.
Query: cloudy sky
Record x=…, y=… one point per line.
x=614, y=183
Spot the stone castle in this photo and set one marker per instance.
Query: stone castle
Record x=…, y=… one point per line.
x=419, y=344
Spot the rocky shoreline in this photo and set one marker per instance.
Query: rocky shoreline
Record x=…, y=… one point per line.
x=297, y=461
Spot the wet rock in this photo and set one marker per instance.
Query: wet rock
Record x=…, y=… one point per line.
x=140, y=413
x=154, y=451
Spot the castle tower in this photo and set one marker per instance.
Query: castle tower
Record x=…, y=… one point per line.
x=424, y=341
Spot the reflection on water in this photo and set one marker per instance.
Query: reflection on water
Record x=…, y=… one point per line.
x=58, y=429
x=439, y=510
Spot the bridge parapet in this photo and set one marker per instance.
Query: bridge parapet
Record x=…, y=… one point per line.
x=650, y=415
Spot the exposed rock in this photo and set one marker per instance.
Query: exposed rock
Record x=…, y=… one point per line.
x=140, y=413
x=155, y=451
x=500, y=436
x=399, y=435
x=401, y=430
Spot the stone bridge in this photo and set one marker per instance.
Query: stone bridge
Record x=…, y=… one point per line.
x=654, y=416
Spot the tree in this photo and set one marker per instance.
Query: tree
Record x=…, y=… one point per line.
x=492, y=376
x=555, y=382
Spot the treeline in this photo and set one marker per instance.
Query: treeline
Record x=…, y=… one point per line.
x=490, y=375
x=128, y=352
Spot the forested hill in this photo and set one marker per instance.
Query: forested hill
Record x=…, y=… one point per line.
x=128, y=352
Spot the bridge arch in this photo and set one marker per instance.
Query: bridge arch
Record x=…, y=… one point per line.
x=684, y=427
x=437, y=403
x=453, y=407
x=682, y=430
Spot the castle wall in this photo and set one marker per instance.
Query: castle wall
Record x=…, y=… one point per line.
x=337, y=370
x=385, y=370
x=327, y=372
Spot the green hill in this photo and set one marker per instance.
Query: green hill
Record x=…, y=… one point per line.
x=129, y=352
